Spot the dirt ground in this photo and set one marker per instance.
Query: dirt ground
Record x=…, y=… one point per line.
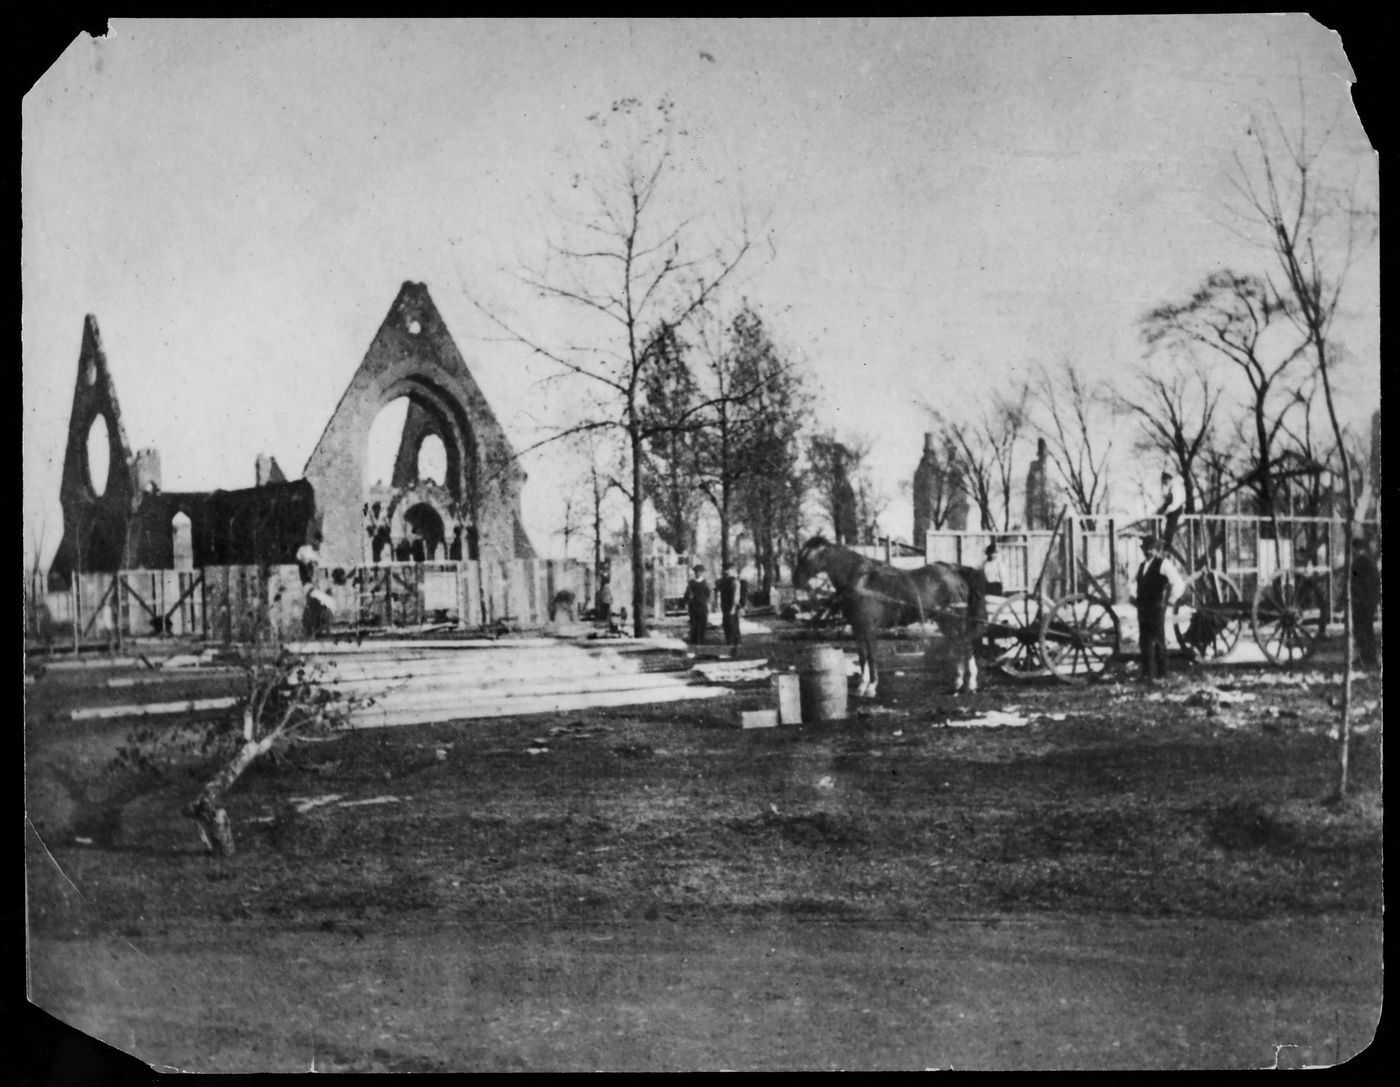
x=1109, y=876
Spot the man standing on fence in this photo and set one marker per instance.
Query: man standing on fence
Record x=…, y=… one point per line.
x=1173, y=504
x=697, y=603
x=733, y=598
x=1159, y=585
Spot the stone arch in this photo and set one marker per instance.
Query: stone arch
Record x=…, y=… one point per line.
x=413, y=356
x=432, y=410
x=95, y=525
x=419, y=425
x=405, y=511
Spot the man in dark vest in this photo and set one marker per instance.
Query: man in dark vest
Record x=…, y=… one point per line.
x=733, y=599
x=1159, y=584
x=697, y=603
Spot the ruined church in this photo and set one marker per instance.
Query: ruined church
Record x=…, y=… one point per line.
x=128, y=522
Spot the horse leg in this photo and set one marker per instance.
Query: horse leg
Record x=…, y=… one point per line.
x=867, y=669
x=971, y=657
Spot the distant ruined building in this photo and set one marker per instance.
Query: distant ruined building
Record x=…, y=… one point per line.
x=939, y=498
x=128, y=522
x=476, y=508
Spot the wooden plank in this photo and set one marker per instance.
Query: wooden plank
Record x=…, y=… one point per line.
x=378, y=717
x=151, y=709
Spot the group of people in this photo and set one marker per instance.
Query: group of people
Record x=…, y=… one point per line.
x=733, y=599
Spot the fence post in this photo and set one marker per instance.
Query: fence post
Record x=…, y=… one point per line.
x=77, y=617
x=1113, y=559
x=117, y=607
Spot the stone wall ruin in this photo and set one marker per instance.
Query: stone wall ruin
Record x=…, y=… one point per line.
x=125, y=520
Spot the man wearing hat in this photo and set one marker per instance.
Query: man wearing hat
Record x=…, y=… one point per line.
x=733, y=598
x=697, y=602
x=1159, y=586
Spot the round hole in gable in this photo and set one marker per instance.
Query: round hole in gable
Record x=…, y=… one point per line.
x=414, y=327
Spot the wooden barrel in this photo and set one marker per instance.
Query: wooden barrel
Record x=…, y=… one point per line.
x=824, y=686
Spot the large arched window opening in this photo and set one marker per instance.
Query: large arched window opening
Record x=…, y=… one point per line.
x=385, y=434
x=99, y=455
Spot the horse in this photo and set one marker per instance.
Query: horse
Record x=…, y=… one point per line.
x=874, y=596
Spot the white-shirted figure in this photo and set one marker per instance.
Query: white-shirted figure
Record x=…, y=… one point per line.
x=1173, y=504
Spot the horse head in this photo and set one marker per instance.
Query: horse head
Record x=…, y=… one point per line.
x=809, y=561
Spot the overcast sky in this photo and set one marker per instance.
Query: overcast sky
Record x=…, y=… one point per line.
x=949, y=202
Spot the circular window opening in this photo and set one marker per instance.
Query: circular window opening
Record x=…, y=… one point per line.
x=414, y=328
x=99, y=455
x=90, y=373
x=432, y=460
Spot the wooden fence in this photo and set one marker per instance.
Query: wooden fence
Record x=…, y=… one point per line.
x=1251, y=551
x=235, y=603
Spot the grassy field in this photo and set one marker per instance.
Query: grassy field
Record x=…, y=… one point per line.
x=1121, y=877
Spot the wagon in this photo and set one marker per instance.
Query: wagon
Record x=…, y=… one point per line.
x=1287, y=616
x=1076, y=637
x=1073, y=637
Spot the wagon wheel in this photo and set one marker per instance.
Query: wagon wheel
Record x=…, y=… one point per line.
x=1078, y=637
x=1208, y=618
x=1013, y=636
x=1289, y=617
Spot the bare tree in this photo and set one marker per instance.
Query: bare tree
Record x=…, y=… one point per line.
x=632, y=268
x=1242, y=318
x=1175, y=410
x=671, y=470
x=871, y=498
x=283, y=697
x=831, y=464
x=771, y=410
x=1074, y=428
x=1314, y=234
x=972, y=467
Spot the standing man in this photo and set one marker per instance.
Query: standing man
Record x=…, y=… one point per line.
x=1173, y=504
x=697, y=602
x=991, y=570
x=1365, y=596
x=605, y=603
x=733, y=598
x=1159, y=585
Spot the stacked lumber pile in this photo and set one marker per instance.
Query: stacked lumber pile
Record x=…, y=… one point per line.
x=415, y=682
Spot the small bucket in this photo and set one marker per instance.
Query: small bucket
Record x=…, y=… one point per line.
x=824, y=685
